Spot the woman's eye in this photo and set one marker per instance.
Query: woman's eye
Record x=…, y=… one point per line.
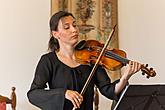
x=74, y=25
x=66, y=27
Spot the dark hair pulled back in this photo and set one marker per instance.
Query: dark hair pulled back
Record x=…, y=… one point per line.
x=54, y=21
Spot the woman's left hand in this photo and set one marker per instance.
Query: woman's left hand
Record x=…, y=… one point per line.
x=132, y=68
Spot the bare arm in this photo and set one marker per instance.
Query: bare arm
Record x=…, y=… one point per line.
x=132, y=68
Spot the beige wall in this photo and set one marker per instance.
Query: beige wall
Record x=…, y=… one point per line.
x=24, y=34
x=142, y=35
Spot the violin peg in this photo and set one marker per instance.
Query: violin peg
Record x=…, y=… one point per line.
x=149, y=71
x=148, y=77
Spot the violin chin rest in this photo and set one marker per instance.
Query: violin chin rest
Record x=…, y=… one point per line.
x=80, y=45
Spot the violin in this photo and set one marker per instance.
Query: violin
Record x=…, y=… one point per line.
x=94, y=52
x=87, y=52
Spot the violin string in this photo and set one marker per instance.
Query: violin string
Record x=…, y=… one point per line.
x=110, y=54
x=116, y=57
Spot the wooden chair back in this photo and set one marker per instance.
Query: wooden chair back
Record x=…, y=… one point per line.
x=11, y=100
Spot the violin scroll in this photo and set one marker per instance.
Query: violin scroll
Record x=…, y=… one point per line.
x=150, y=72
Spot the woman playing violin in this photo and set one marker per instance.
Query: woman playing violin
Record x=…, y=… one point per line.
x=66, y=77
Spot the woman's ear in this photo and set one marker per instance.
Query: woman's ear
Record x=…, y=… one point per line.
x=55, y=34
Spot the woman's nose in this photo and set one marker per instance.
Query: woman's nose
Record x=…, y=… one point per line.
x=74, y=29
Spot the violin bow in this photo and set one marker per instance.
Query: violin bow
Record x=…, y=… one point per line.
x=97, y=61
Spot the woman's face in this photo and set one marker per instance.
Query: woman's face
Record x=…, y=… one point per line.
x=67, y=31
